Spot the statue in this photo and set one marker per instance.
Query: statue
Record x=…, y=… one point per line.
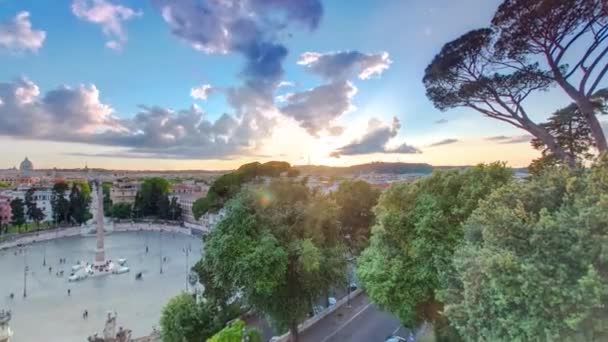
x=123, y=335
x=109, y=331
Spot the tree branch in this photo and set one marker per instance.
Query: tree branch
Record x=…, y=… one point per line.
x=597, y=80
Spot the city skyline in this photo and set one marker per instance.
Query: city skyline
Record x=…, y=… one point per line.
x=160, y=85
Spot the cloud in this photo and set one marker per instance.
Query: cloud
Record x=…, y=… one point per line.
x=201, y=92
x=77, y=115
x=316, y=109
x=250, y=28
x=17, y=34
x=345, y=65
x=247, y=27
x=109, y=16
x=286, y=84
x=376, y=140
x=441, y=121
x=59, y=114
x=502, y=139
x=444, y=142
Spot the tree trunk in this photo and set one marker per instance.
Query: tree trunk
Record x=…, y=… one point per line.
x=293, y=329
x=550, y=142
x=586, y=107
x=584, y=104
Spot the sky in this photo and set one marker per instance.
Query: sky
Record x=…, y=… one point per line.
x=194, y=84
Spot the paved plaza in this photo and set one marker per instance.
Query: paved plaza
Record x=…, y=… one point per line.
x=49, y=314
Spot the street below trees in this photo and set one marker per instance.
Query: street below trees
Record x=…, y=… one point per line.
x=361, y=322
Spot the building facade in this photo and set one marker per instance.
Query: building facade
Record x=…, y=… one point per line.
x=42, y=196
x=5, y=210
x=124, y=191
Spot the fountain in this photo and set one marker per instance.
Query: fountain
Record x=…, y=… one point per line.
x=101, y=265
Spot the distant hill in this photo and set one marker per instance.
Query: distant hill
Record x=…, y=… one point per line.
x=377, y=167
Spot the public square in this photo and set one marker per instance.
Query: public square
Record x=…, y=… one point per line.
x=48, y=313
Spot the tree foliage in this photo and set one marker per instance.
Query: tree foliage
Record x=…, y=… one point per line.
x=278, y=248
x=32, y=211
x=570, y=37
x=494, y=70
x=572, y=133
x=534, y=262
x=466, y=74
x=107, y=200
x=175, y=210
x=18, y=213
x=227, y=186
x=355, y=200
x=236, y=332
x=60, y=202
x=185, y=320
x=418, y=228
x=121, y=210
x=151, y=199
x=80, y=202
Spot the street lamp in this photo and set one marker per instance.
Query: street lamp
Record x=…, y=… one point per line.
x=160, y=243
x=25, y=269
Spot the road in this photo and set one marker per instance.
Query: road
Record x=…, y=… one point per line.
x=362, y=322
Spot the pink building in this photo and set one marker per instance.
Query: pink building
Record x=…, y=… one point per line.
x=5, y=210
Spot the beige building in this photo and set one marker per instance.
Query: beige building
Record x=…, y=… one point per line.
x=124, y=191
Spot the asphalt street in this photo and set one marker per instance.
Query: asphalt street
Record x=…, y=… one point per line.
x=361, y=322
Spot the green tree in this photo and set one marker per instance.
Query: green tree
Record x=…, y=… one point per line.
x=163, y=207
x=419, y=225
x=121, y=210
x=568, y=38
x=175, y=210
x=227, y=186
x=4, y=185
x=236, y=332
x=32, y=211
x=279, y=249
x=465, y=74
x=18, y=213
x=138, y=203
x=533, y=266
x=59, y=203
x=79, y=204
x=152, y=193
x=572, y=132
x=355, y=200
x=185, y=320
x=107, y=200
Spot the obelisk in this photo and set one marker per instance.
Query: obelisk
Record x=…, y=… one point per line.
x=100, y=255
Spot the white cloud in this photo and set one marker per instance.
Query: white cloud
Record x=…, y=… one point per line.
x=346, y=64
x=60, y=114
x=316, y=109
x=109, y=16
x=375, y=140
x=76, y=114
x=17, y=34
x=201, y=92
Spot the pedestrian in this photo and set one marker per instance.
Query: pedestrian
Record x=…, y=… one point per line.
x=50, y=269
x=69, y=292
x=12, y=295
x=146, y=249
